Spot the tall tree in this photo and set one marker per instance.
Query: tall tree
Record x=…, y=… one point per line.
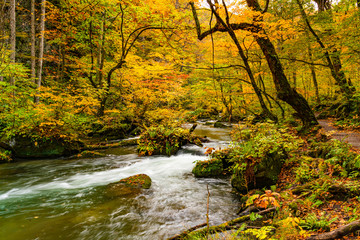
x=230, y=31
x=41, y=46
x=12, y=10
x=332, y=56
x=2, y=36
x=284, y=91
x=33, y=42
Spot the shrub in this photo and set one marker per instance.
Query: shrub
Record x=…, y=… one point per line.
x=164, y=140
x=259, y=152
x=336, y=153
x=210, y=168
x=312, y=222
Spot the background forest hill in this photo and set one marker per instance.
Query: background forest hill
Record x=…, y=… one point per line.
x=76, y=69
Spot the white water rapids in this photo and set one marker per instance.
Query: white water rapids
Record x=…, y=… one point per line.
x=62, y=199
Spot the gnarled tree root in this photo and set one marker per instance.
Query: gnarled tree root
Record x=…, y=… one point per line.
x=338, y=233
x=222, y=227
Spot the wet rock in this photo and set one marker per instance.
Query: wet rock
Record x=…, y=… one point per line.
x=204, y=139
x=163, y=140
x=210, y=168
x=128, y=187
x=218, y=124
x=258, y=174
x=24, y=147
x=89, y=154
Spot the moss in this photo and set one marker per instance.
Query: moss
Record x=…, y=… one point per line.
x=219, y=125
x=137, y=181
x=210, y=168
x=89, y=154
x=164, y=140
x=238, y=182
x=25, y=147
x=258, y=172
x=128, y=187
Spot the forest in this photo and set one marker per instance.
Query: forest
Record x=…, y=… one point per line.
x=179, y=119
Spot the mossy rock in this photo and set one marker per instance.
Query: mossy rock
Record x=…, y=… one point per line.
x=210, y=168
x=219, y=125
x=165, y=141
x=128, y=187
x=225, y=155
x=264, y=174
x=129, y=142
x=90, y=154
x=24, y=147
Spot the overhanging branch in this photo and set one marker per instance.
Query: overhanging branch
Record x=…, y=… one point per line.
x=219, y=27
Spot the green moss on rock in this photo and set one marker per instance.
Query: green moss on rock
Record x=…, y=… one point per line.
x=90, y=154
x=137, y=181
x=210, y=168
x=128, y=187
x=261, y=173
x=219, y=125
x=164, y=140
x=25, y=147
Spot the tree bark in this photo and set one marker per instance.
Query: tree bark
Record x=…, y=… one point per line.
x=12, y=10
x=313, y=75
x=33, y=42
x=322, y=5
x=2, y=33
x=41, y=48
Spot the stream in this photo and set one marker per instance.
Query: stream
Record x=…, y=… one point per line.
x=63, y=198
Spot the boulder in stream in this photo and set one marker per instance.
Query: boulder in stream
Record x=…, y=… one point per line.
x=219, y=124
x=209, y=168
x=89, y=154
x=25, y=147
x=164, y=140
x=128, y=187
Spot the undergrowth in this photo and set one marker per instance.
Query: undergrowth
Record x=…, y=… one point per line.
x=317, y=185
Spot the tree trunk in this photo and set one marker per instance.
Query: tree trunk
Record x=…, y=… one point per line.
x=100, y=58
x=41, y=47
x=33, y=42
x=294, y=77
x=282, y=85
x=333, y=59
x=265, y=111
x=313, y=75
x=12, y=10
x=2, y=33
x=323, y=5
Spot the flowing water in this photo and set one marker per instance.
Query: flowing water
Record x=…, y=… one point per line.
x=63, y=198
